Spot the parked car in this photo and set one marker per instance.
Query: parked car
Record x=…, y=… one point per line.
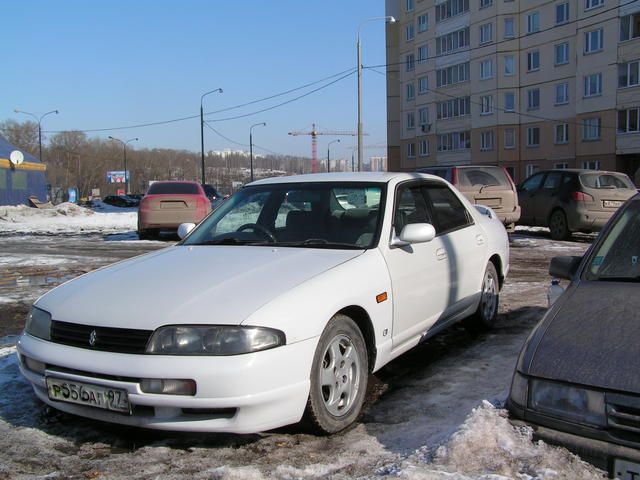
x=570, y=201
x=167, y=204
x=274, y=309
x=484, y=185
x=576, y=381
x=124, y=201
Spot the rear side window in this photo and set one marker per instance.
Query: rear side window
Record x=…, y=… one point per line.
x=173, y=188
x=532, y=183
x=552, y=182
x=491, y=177
x=450, y=214
x=605, y=180
x=439, y=172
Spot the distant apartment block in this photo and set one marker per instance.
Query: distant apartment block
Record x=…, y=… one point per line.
x=528, y=85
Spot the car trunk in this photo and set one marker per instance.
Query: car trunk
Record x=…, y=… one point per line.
x=488, y=186
x=608, y=190
x=171, y=209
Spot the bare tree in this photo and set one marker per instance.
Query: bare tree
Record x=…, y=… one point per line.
x=23, y=135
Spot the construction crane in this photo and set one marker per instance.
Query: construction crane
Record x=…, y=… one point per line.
x=314, y=141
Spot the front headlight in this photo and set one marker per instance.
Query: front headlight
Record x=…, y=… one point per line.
x=38, y=324
x=567, y=402
x=213, y=340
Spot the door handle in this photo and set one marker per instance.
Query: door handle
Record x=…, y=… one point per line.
x=480, y=239
x=441, y=254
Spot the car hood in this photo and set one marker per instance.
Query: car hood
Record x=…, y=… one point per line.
x=188, y=285
x=593, y=339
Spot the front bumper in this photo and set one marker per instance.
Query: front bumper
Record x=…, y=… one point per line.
x=262, y=390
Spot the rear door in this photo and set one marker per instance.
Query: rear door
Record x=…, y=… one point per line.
x=527, y=195
x=547, y=198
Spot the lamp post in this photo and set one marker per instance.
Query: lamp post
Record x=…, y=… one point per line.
x=124, y=151
x=39, y=120
x=389, y=19
x=328, y=158
x=263, y=124
x=219, y=90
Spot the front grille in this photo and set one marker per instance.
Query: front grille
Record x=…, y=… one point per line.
x=623, y=417
x=119, y=340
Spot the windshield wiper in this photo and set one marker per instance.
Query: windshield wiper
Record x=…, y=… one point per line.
x=319, y=243
x=231, y=241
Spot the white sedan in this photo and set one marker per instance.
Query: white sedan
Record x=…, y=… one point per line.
x=273, y=310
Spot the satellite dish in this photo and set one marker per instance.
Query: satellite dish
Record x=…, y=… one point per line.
x=16, y=157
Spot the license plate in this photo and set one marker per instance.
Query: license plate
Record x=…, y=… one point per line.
x=612, y=203
x=625, y=470
x=106, y=398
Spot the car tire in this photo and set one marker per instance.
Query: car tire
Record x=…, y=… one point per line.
x=485, y=315
x=558, y=226
x=145, y=235
x=338, y=377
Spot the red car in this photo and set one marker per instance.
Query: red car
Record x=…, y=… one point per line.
x=167, y=204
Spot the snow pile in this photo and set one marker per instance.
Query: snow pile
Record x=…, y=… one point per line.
x=488, y=447
x=66, y=218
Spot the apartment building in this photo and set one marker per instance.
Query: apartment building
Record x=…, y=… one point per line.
x=528, y=85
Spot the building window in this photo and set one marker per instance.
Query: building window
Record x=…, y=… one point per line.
x=591, y=165
x=628, y=74
x=409, y=32
x=486, y=105
x=486, y=69
x=562, y=93
x=509, y=138
x=509, y=102
x=423, y=23
x=423, y=53
x=485, y=3
x=533, y=137
x=630, y=27
x=530, y=169
x=533, y=99
x=561, y=133
x=509, y=65
x=594, y=41
x=451, y=75
x=593, y=4
x=423, y=85
x=533, y=61
x=591, y=128
x=533, y=22
x=593, y=85
x=509, y=28
x=408, y=5
x=423, y=116
x=453, y=41
x=562, y=53
x=454, y=141
x=411, y=121
x=457, y=107
x=561, y=166
x=629, y=120
x=410, y=92
x=451, y=8
x=411, y=150
x=486, y=33
x=486, y=140
x=562, y=13
x=410, y=62
x=424, y=148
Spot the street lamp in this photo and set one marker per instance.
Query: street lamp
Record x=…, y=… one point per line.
x=124, y=151
x=262, y=124
x=39, y=120
x=219, y=90
x=389, y=19
x=328, y=160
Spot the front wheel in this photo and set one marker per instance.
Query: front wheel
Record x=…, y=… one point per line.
x=485, y=316
x=338, y=377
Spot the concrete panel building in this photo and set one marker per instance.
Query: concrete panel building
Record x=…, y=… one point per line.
x=528, y=85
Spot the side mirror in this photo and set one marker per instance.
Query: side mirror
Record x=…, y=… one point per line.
x=184, y=229
x=564, y=267
x=414, y=233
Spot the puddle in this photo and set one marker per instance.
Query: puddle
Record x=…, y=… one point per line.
x=48, y=280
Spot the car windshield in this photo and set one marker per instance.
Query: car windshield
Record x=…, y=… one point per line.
x=606, y=180
x=618, y=256
x=316, y=215
x=162, y=188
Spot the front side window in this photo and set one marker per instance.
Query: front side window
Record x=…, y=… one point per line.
x=532, y=184
x=411, y=207
x=449, y=212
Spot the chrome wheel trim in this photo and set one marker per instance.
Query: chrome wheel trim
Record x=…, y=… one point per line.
x=340, y=374
x=489, y=299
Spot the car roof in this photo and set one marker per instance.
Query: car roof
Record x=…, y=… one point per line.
x=576, y=170
x=176, y=181
x=440, y=167
x=368, y=177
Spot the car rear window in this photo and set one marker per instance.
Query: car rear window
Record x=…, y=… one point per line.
x=439, y=172
x=481, y=176
x=606, y=180
x=173, y=188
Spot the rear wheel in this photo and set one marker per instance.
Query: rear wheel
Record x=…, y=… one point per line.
x=485, y=316
x=146, y=234
x=338, y=377
x=558, y=226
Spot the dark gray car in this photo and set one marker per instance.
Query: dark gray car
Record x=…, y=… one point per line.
x=577, y=379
